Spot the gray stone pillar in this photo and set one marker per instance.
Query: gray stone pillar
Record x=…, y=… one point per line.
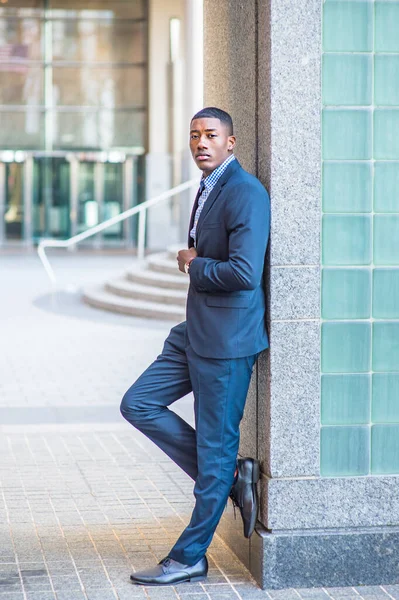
x=263, y=65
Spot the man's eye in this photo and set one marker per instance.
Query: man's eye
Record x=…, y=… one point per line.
x=212, y=135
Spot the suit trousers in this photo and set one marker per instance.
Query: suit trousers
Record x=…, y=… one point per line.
x=207, y=453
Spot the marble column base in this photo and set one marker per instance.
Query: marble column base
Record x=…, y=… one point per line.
x=316, y=558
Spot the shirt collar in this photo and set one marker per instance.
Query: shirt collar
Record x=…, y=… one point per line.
x=213, y=177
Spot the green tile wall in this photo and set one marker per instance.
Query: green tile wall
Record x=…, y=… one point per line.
x=386, y=73
x=346, y=347
x=386, y=187
x=386, y=139
x=347, y=134
x=386, y=294
x=384, y=449
x=348, y=187
x=360, y=239
x=347, y=26
x=385, y=398
x=346, y=239
x=386, y=346
x=386, y=26
x=346, y=399
x=347, y=79
x=345, y=450
x=386, y=239
x=346, y=294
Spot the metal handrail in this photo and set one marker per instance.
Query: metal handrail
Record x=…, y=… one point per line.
x=140, y=209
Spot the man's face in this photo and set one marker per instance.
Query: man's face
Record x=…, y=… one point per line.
x=210, y=143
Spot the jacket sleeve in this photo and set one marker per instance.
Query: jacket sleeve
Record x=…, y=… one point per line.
x=247, y=220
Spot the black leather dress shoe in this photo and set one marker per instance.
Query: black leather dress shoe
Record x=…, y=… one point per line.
x=244, y=493
x=170, y=572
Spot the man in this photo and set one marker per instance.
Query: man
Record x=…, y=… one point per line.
x=213, y=352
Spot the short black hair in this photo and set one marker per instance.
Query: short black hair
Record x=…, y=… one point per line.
x=211, y=112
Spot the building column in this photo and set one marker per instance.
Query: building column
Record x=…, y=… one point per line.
x=262, y=63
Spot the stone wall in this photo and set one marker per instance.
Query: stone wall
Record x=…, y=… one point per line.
x=263, y=65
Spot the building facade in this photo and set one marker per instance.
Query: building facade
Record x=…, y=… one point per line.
x=88, y=91
x=313, y=88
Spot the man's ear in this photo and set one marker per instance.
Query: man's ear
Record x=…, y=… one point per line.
x=232, y=142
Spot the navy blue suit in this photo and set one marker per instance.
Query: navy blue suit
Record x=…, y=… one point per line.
x=226, y=300
x=211, y=354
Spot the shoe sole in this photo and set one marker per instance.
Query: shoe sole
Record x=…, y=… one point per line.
x=189, y=580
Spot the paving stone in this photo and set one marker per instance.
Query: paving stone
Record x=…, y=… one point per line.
x=131, y=592
x=200, y=596
x=370, y=590
x=310, y=593
x=70, y=595
x=289, y=594
x=251, y=593
x=392, y=590
x=89, y=502
x=70, y=582
x=341, y=591
x=100, y=594
x=162, y=593
x=40, y=596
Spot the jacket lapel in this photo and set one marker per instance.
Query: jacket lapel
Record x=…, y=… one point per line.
x=190, y=243
x=215, y=192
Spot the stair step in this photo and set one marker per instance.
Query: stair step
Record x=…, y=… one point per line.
x=162, y=263
x=157, y=279
x=130, y=289
x=98, y=297
x=172, y=250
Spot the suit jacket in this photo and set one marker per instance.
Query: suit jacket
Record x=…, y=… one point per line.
x=226, y=299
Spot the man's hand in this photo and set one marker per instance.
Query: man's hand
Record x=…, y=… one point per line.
x=183, y=256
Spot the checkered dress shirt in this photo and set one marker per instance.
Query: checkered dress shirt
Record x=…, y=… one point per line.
x=206, y=186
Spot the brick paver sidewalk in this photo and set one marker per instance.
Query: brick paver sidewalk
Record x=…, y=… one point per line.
x=84, y=498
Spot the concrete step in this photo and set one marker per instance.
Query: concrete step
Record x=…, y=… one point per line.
x=158, y=279
x=99, y=297
x=162, y=263
x=130, y=289
x=174, y=249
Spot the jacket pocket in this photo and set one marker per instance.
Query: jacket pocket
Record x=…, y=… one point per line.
x=228, y=301
x=211, y=225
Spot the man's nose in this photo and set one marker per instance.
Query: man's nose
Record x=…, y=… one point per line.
x=202, y=142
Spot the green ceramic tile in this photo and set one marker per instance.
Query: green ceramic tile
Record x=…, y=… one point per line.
x=347, y=26
x=386, y=346
x=384, y=449
x=347, y=187
x=345, y=347
x=386, y=76
x=385, y=395
x=386, y=186
x=386, y=138
x=386, y=294
x=386, y=240
x=344, y=451
x=345, y=399
x=347, y=79
x=346, y=294
x=346, y=134
x=386, y=26
x=346, y=240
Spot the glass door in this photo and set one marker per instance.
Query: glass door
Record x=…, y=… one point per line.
x=58, y=195
x=51, y=198
x=113, y=198
x=88, y=212
x=104, y=187
x=14, y=201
